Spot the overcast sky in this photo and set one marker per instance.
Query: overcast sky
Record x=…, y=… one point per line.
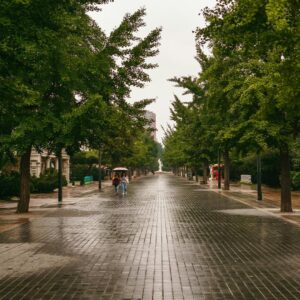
x=177, y=51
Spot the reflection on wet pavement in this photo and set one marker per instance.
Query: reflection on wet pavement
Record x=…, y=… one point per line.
x=164, y=240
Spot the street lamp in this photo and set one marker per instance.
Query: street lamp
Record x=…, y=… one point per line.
x=100, y=170
x=259, y=191
x=219, y=168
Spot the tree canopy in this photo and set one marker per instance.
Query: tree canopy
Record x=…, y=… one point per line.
x=64, y=83
x=246, y=96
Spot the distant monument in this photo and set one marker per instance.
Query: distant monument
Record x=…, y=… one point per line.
x=160, y=165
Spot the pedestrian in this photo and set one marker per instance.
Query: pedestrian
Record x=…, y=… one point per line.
x=124, y=182
x=116, y=183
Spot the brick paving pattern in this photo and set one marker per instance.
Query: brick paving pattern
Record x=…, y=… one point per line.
x=166, y=239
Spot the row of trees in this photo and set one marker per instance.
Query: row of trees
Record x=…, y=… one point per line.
x=140, y=157
x=246, y=97
x=64, y=83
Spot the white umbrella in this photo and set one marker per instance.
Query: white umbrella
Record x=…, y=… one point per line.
x=120, y=169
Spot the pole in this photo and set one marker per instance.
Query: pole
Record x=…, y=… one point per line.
x=60, y=194
x=259, y=190
x=219, y=169
x=100, y=170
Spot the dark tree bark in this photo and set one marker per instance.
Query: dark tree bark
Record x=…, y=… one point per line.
x=205, y=174
x=259, y=189
x=285, y=180
x=219, y=169
x=100, y=170
x=60, y=186
x=23, y=205
x=129, y=174
x=226, y=170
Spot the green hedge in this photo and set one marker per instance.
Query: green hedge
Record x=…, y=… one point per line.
x=9, y=184
x=79, y=171
x=248, y=165
x=85, y=158
x=295, y=176
x=47, y=183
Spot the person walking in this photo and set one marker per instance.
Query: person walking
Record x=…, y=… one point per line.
x=116, y=183
x=124, y=182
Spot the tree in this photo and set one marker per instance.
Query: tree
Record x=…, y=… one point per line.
x=264, y=37
x=52, y=70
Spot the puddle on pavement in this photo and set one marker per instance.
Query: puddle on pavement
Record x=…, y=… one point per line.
x=57, y=205
x=13, y=221
x=245, y=212
x=22, y=258
x=68, y=213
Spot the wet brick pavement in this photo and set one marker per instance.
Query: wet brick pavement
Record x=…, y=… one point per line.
x=165, y=240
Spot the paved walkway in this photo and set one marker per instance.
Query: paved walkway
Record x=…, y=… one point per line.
x=166, y=239
x=247, y=194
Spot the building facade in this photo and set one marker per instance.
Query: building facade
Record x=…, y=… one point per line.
x=40, y=162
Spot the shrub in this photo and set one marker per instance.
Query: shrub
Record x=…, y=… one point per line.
x=47, y=182
x=9, y=184
x=78, y=172
x=85, y=158
x=270, y=168
x=295, y=176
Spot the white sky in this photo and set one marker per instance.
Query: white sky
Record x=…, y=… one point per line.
x=177, y=51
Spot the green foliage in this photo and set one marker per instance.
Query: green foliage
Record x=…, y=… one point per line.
x=64, y=83
x=79, y=171
x=9, y=184
x=246, y=97
x=295, y=180
x=295, y=156
x=46, y=183
x=85, y=158
x=144, y=153
x=248, y=165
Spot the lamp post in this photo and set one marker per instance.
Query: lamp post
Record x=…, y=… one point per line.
x=219, y=169
x=259, y=190
x=100, y=170
x=60, y=195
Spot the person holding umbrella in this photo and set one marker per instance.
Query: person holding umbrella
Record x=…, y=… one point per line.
x=116, y=183
x=124, y=182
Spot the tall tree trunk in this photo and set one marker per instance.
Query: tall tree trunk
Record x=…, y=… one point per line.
x=129, y=174
x=60, y=187
x=259, y=190
x=204, y=166
x=219, y=169
x=99, y=169
x=23, y=205
x=226, y=170
x=286, y=198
